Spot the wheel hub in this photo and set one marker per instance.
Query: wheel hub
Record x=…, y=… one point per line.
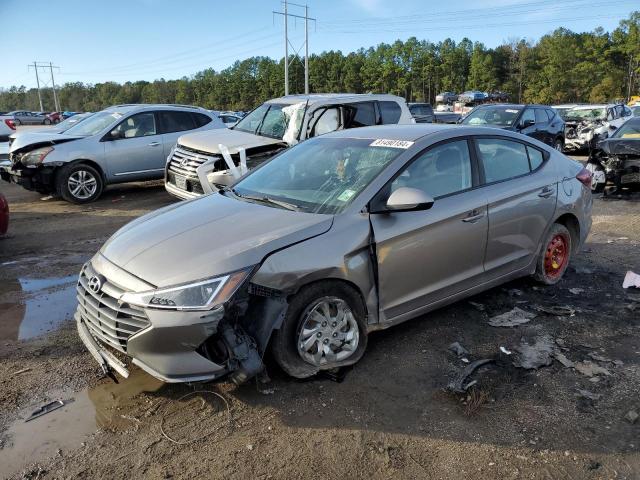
x=329, y=332
x=82, y=184
x=556, y=256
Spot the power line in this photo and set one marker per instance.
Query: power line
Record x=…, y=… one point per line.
x=50, y=66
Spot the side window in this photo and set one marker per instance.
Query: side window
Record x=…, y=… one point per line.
x=139, y=125
x=390, y=111
x=528, y=114
x=502, y=159
x=329, y=121
x=535, y=157
x=550, y=113
x=200, y=119
x=440, y=171
x=610, y=114
x=541, y=117
x=626, y=111
x=359, y=115
x=176, y=121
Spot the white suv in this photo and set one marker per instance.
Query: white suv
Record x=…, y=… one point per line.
x=204, y=161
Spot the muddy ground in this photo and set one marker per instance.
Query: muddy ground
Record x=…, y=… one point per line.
x=389, y=417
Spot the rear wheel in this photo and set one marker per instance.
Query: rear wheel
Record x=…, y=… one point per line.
x=47, y=121
x=79, y=183
x=555, y=255
x=558, y=145
x=324, y=328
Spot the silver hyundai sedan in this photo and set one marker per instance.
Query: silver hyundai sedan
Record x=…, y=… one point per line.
x=344, y=234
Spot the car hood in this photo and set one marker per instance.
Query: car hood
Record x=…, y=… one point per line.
x=621, y=146
x=208, y=141
x=206, y=237
x=39, y=138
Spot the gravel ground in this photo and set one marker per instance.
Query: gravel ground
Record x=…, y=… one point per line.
x=389, y=417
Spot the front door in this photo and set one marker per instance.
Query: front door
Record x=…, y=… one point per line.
x=521, y=190
x=424, y=256
x=134, y=150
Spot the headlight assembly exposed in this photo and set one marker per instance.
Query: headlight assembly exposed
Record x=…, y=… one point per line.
x=35, y=157
x=202, y=295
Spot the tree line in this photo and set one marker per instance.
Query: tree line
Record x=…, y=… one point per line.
x=561, y=67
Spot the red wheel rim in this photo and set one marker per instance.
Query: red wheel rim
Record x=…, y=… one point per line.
x=556, y=256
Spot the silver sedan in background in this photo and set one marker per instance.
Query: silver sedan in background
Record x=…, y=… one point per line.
x=341, y=235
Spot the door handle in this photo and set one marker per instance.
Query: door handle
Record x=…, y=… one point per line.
x=546, y=192
x=154, y=144
x=473, y=216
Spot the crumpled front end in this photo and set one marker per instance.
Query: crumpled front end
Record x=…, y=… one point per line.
x=584, y=135
x=173, y=346
x=619, y=159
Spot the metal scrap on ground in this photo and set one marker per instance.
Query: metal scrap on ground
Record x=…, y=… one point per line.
x=458, y=349
x=535, y=355
x=457, y=384
x=631, y=279
x=512, y=318
x=44, y=409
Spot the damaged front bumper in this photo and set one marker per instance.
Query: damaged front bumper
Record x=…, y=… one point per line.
x=173, y=346
x=40, y=179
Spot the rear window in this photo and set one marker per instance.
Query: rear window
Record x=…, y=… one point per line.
x=390, y=112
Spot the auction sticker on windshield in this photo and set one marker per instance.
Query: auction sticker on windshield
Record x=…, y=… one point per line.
x=382, y=142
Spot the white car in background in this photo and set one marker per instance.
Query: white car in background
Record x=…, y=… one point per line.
x=7, y=127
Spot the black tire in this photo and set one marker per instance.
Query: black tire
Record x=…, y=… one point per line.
x=63, y=176
x=284, y=340
x=545, y=272
x=17, y=122
x=46, y=122
x=599, y=188
x=558, y=144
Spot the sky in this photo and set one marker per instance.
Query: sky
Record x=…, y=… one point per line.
x=119, y=40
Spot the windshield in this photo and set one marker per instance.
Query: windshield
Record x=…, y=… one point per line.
x=270, y=120
x=562, y=111
x=502, y=116
x=586, y=113
x=321, y=175
x=71, y=121
x=94, y=124
x=628, y=130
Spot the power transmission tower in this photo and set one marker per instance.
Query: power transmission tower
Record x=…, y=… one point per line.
x=287, y=43
x=50, y=66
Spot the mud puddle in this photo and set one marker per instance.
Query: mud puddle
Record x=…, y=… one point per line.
x=108, y=406
x=32, y=306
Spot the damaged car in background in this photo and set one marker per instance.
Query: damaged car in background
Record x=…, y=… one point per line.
x=201, y=163
x=124, y=143
x=341, y=235
x=586, y=125
x=617, y=158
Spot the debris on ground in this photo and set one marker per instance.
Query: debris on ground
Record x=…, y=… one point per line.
x=515, y=292
x=631, y=279
x=24, y=370
x=535, y=355
x=590, y=369
x=458, y=349
x=576, y=291
x=505, y=351
x=631, y=416
x=601, y=358
x=563, y=359
x=557, y=310
x=589, y=395
x=457, y=384
x=44, y=409
x=512, y=318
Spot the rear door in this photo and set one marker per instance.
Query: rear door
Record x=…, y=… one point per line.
x=137, y=153
x=521, y=189
x=424, y=256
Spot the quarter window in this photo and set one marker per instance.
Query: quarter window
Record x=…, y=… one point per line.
x=391, y=112
x=535, y=157
x=200, y=119
x=442, y=170
x=502, y=159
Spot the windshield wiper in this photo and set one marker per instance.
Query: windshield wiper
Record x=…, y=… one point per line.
x=266, y=199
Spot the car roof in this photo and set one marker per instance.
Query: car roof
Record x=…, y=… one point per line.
x=130, y=107
x=595, y=105
x=332, y=97
x=513, y=105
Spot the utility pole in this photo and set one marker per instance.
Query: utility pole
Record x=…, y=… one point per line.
x=285, y=13
x=53, y=85
x=35, y=67
x=50, y=66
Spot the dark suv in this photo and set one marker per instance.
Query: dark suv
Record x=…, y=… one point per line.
x=422, y=112
x=538, y=121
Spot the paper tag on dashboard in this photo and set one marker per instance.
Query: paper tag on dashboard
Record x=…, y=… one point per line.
x=382, y=142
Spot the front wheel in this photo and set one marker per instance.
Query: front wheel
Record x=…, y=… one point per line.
x=555, y=255
x=324, y=328
x=79, y=183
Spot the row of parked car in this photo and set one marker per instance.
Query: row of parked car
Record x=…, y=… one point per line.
x=193, y=151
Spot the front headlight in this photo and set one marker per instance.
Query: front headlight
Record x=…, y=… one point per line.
x=202, y=295
x=35, y=157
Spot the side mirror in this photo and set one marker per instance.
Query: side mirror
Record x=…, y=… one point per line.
x=527, y=123
x=406, y=199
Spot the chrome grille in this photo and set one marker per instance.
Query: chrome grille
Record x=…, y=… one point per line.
x=185, y=161
x=108, y=320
